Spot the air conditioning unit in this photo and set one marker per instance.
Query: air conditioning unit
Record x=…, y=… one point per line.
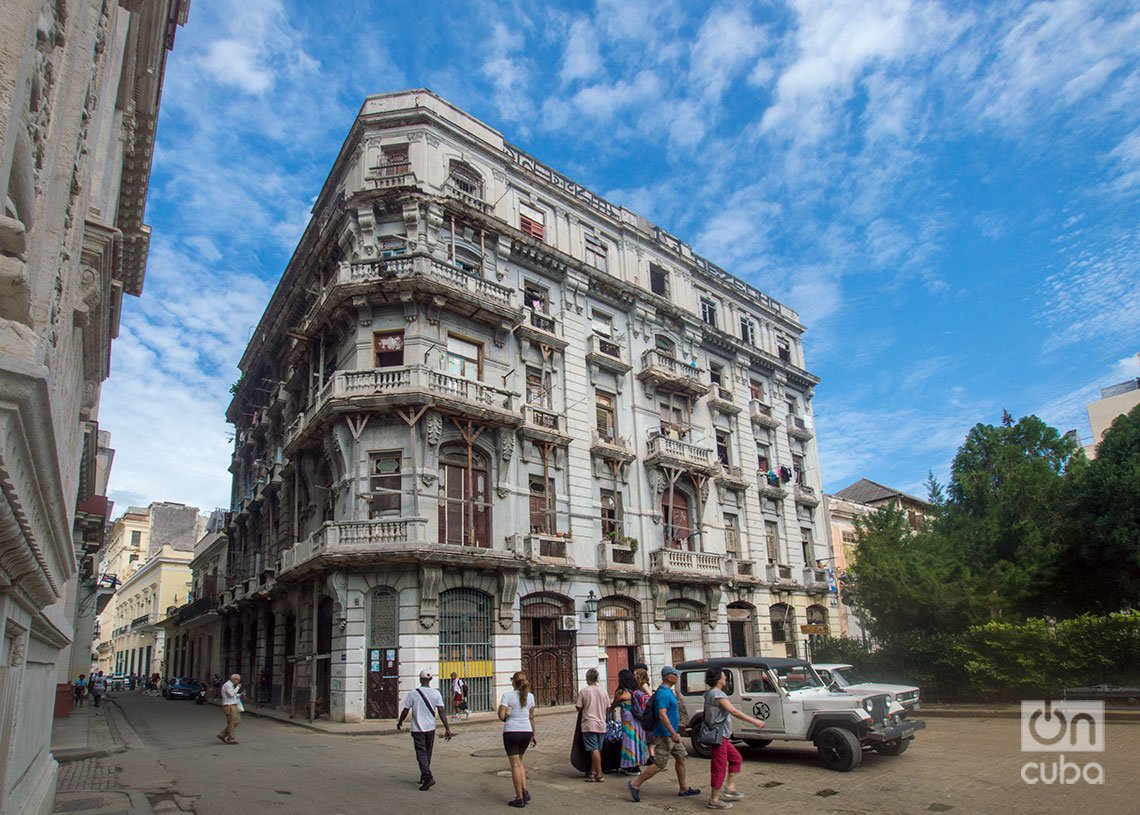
x=570, y=622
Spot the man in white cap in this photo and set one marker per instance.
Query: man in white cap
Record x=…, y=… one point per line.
x=425, y=704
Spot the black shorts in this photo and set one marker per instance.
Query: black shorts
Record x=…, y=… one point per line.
x=516, y=742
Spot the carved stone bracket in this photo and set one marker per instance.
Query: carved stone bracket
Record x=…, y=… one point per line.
x=660, y=594
x=712, y=604
x=508, y=590
x=430, y=579
x=337, y=584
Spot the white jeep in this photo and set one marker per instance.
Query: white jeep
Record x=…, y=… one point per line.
x=797, y=706
x=849, y=679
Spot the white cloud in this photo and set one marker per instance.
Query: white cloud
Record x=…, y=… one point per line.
x=234, y=62
x=581, y=59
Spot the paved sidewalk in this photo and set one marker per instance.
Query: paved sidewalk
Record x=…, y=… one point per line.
x=89, y=732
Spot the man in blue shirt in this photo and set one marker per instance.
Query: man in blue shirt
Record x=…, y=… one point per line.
x=666, y=738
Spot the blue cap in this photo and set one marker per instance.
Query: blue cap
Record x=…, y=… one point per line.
x=669, y=669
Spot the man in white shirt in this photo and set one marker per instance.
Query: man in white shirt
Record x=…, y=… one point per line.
x=424, y=703
x=231, y=706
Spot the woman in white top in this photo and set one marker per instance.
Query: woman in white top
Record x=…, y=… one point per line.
x=516, y=710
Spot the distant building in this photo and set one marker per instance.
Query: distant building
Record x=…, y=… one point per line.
x=150, y=552
x=193, y=629
x=1114, y=401
x=80, y=83
x=842, y=509
x=490, y=420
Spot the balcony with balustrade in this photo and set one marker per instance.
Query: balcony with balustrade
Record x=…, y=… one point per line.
x=681, y=562
x=669, y=452
x=721, y=398
x=391, y=175
x=612, y=447
x=762, y=414
x=443, y=284
x=778, y=573
x=767, y=489
x=805, y=495
x=798, y=428
x=541, y=328
x=663, y=372
x=382, y=389
x=815, y=580
x=544, y=425
x=733, y=478
x=607, y=354
x=618, y=554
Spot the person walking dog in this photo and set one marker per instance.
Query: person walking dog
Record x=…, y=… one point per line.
x=425, y=703
x=231, y=706
x=718, y=723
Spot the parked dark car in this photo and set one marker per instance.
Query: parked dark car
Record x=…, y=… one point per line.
x=183, y=687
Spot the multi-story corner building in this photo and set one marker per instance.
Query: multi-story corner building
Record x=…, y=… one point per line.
x=79, y=92
x=491, y=421
x=150, y=552
x=193, y=630
x=841, y=511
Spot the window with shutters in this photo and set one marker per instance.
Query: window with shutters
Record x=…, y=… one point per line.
x=658, y=280
x=602, y=324
x=808, y=542
x=387, y=349
x=384, y=484
x=597, y=254
x=716, y=374
x=798, y=466
x=756, y=389
x=784, y=348
x=467, y=180
x=763, y=463
x=541, y=507
x=606, y=416
x=708, y=311
x=464, y=357
x=538, y=387
x=536, y=298
x=747, y=330
x=611, y=514
x=772, y=540
x=532, y=221
x=723, y=444
x=731, y=535
x=395, y=160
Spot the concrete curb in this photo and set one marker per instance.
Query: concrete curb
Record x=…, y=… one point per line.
x=1124, y=716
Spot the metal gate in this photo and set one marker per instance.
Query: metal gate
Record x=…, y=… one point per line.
x=383, y=669
x=465, y=620
x=548, y=651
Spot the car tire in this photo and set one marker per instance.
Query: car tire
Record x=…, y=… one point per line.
x=699, y=750
x=757, y=744
x=839, y=749
x=893, y=748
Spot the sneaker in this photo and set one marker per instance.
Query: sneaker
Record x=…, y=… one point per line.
x=518, y=803
x=732, y=795
x=718, y=805
x=634, y=792
x=427, y=785
x=526, y=796
x=689, y=792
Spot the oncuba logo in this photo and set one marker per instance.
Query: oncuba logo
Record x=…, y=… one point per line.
x=1059, y=727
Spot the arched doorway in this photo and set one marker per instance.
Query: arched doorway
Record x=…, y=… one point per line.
x=684, y=633
x=547, y=650
x=741, y=630
x=323, y=662
x=383, y=688
x=465, y=627
x=464, y=498
x=618, y=634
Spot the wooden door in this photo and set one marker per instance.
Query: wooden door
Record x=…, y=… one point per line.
x=382, y=688
x=548, y=659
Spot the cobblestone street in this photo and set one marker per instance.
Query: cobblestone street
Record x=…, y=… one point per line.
x=961, y=765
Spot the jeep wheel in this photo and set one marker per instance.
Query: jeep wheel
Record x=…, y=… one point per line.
x=893, y=748
x=756, y=744
x=699, y=750
x=839, y=749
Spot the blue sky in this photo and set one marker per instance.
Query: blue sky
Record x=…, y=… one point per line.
x=948, y=193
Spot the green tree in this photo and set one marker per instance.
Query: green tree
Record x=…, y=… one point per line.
x=1100, y=561
x=910, y=582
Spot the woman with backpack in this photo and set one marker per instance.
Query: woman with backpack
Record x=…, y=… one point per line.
x=630, y=700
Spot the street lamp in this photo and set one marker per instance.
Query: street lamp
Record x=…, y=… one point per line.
x=591, y=605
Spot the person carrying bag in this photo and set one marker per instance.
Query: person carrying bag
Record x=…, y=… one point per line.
x=716, y=733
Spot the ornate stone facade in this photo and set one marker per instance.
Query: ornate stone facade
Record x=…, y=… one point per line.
x=488, y=405
x=79, y=92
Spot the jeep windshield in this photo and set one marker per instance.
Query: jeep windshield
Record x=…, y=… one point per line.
x=798, y=677
x=848, y=676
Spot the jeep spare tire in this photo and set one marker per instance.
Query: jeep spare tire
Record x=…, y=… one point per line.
x=839, y=749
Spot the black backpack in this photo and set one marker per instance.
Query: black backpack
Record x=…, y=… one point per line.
x=649, y=717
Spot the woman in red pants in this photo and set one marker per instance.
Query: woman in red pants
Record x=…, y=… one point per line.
x=725, y=757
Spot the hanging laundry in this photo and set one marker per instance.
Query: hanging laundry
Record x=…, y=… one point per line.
x=785, y=474
x=773, y=479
